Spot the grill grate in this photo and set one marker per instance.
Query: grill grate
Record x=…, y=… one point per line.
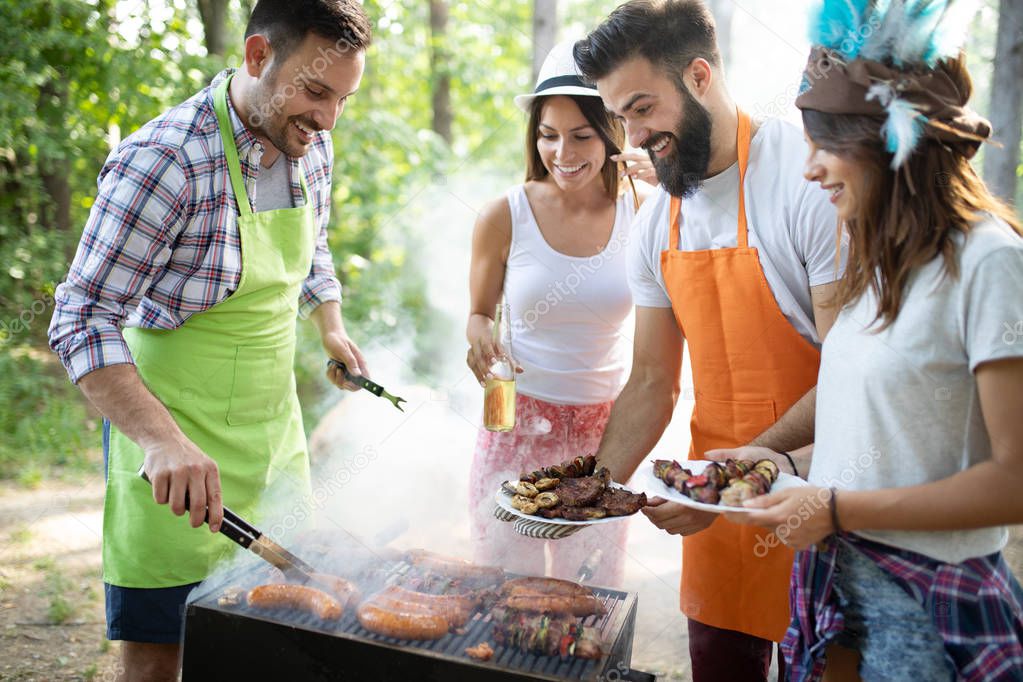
x=318, y=650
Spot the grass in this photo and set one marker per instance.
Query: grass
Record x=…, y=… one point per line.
x=58, y=587
x=21, y=535
x=60, y=609
x=45, y=422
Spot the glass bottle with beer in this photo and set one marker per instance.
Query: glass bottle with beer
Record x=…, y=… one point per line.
x=499, y=388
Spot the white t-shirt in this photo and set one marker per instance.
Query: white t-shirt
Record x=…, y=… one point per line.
x=791, y=223
x=567, y=312
x=900, y=407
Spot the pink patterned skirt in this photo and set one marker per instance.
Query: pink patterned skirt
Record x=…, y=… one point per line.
x=545, y=434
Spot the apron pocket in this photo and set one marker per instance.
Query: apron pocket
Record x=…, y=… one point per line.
x=261, y=386
x=730, y=423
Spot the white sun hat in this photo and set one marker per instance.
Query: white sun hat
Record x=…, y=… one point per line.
x=559, y=75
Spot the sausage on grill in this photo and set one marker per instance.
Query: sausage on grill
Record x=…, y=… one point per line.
x=401, y=624
x=451, y=567
x=453, y=616
x=576, y=605
x=298, y=597
x=455, y=608
x=345, y=590
x=547, y=586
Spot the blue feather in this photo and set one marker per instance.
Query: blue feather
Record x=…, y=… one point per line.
x=902, y=130
x=835, y=24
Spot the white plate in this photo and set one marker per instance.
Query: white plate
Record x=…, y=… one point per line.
x=645, y=480
x=504, y=502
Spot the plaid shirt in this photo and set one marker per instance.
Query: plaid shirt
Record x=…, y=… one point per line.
x=162, y=243
x=976, y=607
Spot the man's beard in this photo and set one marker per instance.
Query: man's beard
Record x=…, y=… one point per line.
x=267, y=120
x=682, y=171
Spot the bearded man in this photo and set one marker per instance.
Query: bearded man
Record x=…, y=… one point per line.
x=736, y=252
x=177, y=318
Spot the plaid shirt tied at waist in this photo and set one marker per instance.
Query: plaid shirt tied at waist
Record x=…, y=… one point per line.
x=976, y=608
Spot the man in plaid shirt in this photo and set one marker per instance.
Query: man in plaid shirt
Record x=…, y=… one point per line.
x=207, y=237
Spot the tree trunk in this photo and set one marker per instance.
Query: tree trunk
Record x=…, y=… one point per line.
x=440, y=74
x=55, y=181
x=1006, y=111
x=723, y=11
x=545, y=31
x=214, y=23
x=55, y=171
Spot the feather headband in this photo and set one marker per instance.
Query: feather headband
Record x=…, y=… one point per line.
x=879, y=58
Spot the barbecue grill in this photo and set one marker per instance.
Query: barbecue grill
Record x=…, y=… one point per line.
x=222, y=641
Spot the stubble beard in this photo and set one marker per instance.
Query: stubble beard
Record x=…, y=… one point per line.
x=274, y=125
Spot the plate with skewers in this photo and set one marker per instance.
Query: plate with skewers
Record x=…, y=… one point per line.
x=713, y=486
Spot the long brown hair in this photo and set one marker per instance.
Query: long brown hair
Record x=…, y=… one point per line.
x=608, y=128
x=908, y=217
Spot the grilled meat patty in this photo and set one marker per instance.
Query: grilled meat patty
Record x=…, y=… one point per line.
x=621, y=502
x=580, y=492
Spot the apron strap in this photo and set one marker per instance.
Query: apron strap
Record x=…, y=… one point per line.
x=742, y=140
x=234, y=168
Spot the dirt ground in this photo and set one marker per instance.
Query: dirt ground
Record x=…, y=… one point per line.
x=51, y=595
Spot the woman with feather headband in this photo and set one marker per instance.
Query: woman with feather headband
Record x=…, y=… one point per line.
x=918, y=463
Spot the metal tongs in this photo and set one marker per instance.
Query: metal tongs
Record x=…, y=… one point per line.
x=373, y=387
x=251, y=538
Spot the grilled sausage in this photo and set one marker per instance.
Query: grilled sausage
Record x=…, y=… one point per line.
x=543, y=586
x=452, y=615
x=575, y=605
x=463, y=601
x=456, y=609
x=401, y=624
x=345, y=590
x=451, y=567
x=298, y=597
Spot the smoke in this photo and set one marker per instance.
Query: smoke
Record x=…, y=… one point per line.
x=383, y=480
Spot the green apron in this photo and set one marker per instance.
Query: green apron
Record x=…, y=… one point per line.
x=227, y=378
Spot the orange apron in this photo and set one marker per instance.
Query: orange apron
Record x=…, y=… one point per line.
x=749, y=366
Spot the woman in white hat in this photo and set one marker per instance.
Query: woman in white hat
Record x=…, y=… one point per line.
x=555, y=248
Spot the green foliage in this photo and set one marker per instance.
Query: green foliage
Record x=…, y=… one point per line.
x=43, y=422
x=78, y=75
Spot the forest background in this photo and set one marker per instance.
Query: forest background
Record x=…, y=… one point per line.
x=78, y=75
x=431, y=136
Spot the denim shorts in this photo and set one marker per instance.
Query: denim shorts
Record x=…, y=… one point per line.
x=892, y=632
x=137, y=614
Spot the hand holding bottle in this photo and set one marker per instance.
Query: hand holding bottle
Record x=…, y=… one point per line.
x=499, y=381
x=484, y=348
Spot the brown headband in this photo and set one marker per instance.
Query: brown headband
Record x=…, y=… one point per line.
x=834, y=86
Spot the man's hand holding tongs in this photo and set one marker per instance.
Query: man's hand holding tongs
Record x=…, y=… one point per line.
x=179, y=470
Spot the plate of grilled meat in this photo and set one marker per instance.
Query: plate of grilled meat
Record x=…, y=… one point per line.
x=574, y=493
x=714, y=486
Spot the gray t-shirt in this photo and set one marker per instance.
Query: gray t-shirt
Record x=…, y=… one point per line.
x=900, y=407
x=273, y=187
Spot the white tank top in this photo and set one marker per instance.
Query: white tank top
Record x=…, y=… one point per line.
x=567, y=312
